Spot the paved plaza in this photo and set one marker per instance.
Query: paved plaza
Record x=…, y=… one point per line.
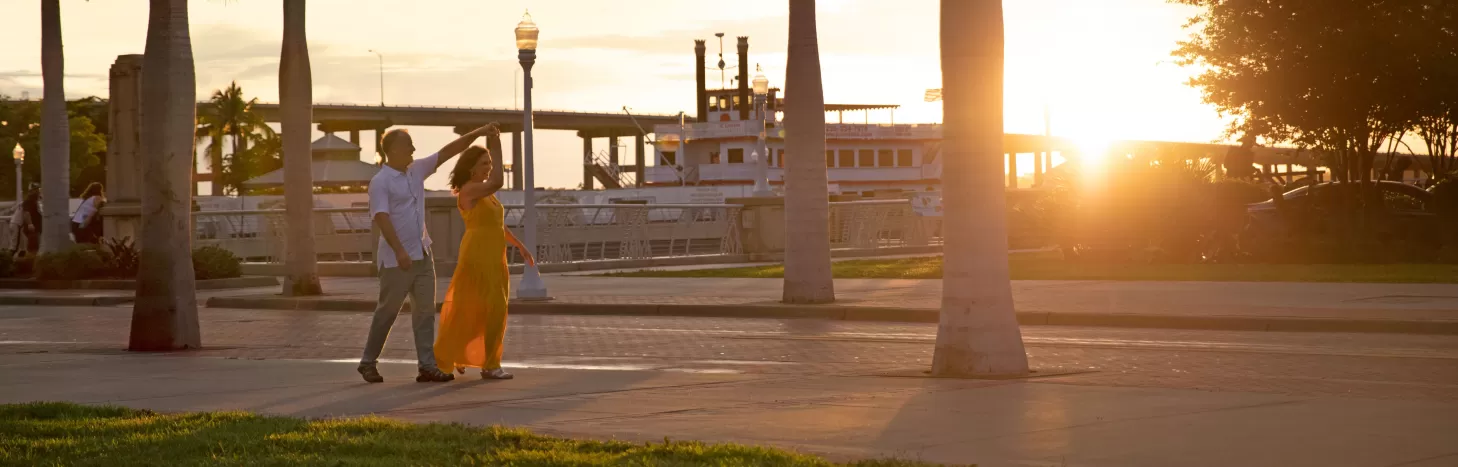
x=849, y=390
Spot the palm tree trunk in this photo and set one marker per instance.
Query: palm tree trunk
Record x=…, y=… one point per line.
x=296, y=100
x=978, y=333
x=165, y=314
x=55, y=135
x=807, y=203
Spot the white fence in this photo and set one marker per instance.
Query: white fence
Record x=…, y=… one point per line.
x=566, y=232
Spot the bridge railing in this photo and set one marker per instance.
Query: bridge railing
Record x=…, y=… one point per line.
x=881, y=224
x=566, y=232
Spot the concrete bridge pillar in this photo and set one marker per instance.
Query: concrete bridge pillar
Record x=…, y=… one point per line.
x=641, y=161
x=587, y=162
x=354, y=137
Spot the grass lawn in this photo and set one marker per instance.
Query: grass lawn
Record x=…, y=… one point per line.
x=1051, y=266
x=69, y=434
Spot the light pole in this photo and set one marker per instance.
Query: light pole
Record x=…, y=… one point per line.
x=382, y=76
x=531, y=287
x=19, y=154
x=761, y=167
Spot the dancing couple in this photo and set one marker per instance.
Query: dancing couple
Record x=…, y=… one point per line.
x=473, y=319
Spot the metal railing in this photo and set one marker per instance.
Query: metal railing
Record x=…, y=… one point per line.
x=566, y=232
x=881, y=224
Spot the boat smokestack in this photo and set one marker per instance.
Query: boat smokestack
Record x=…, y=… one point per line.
x=744, y=78
x=701, y=92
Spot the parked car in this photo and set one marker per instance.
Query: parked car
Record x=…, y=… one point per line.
x=1404, y=215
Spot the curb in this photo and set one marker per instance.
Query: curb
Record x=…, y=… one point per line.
x=65, y=301
x=902, y=315
x=129, y=284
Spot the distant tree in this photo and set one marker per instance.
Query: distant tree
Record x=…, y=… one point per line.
x=1344, y=77
x=20, y=123
x=229, y=117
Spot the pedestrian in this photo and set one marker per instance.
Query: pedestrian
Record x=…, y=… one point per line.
x=86, y=223
x=397, y=207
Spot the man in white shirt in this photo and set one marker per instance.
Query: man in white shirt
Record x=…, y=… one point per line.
x=397, y=205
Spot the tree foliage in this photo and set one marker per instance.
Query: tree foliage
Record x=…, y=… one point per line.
x=228, y=118
x=1347, y=77
x=20, y=122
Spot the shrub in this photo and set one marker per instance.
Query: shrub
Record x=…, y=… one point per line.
x=211, y=262
x=77, y=263
x=124, y=259
x=7, y=263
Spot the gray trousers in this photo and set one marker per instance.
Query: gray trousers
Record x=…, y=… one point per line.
x=395, y=284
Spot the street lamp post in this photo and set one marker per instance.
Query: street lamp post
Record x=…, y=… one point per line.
x=531, y=287
x=761, y=167
x=382, y=76
x=19, y=154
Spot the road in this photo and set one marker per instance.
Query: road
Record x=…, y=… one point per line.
x=1380, y=366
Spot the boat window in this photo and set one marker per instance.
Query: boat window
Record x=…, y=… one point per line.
x=847, y=158
x=736, y=155
x=885, y=158
x=714, y=157
x=781, y=158
x=903, y=158
x=867, y=159
x=829, y=158
x=670, y=157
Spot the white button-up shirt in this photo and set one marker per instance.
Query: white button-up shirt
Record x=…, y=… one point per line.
x=402, y=196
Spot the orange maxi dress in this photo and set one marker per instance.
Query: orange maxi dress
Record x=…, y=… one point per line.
x=473, y=318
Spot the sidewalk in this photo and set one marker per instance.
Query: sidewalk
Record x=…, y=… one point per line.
x=1036, y=422
x=1264, y=306
x=1409, y=308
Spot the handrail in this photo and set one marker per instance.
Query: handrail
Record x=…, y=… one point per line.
x=510, y=206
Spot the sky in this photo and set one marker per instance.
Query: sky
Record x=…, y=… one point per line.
x=1102, y=67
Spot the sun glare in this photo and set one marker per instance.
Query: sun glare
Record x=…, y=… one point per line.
x=1093, y=155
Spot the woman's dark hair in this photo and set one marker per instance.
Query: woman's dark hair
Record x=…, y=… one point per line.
x=461, y=175
x=31, y=204
x=94, y=189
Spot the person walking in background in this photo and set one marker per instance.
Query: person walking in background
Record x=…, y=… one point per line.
x=397, y=206
x=27, y=222
x=86, y=223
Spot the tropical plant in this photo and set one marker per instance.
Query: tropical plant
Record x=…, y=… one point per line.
x=977, y=334
x=164, y=316
x=55, y=134
x=123, y=258
x=296, y=104
x=807, y=202
x=229, y=116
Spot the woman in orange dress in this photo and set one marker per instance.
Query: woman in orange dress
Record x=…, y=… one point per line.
x=473, y=318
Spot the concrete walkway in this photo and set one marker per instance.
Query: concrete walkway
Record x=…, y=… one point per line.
x=846, y=416
x=1327, y=307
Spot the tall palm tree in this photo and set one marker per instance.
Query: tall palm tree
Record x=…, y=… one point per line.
x=164, y=316
x=296, y=100
x=978, y=333
x=55, y=134
x=807, y=202
x=229, y=116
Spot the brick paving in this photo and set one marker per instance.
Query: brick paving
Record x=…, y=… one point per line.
x=1304, y=364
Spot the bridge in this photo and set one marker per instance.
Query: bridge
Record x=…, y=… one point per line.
x=353, y=119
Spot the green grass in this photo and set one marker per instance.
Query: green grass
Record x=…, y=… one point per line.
x=1051, y=266
x=69, y=434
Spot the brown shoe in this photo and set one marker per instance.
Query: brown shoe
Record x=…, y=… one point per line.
x=371, y=374
x=433, y=375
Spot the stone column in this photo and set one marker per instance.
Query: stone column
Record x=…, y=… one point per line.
x=640, y=169
x=122, y=215
x=516, y=167
x=613, y=151
x=354, y=137
x=1012, y=171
